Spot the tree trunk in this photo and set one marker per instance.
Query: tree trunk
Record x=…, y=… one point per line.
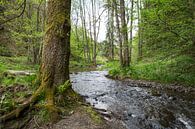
x=76, y=30
x=54, y=69
x=131, y=30
x=94, y=31
x=108, y=35
x=86, y=38
x=119, y=33
x=83, y=31
x=43, y=29
x=139, y=30
x=124, y=33
x=56, y=47
x=112, y=32
x=91, y=35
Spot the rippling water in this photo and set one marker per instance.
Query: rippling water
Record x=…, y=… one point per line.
x=138, y=108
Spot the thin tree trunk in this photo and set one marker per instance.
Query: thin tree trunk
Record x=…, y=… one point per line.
x=119, y=33
x=124, y=33
x=91, y=35
x=109, y=33
x=139, y=30
x=131, y=30
x=43, y=29
x=76, y=29
x=94, y=31
x=83, y=30
x=86, y=38
x=112, y=32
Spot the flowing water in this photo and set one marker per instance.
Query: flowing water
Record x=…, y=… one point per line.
x=136, y=107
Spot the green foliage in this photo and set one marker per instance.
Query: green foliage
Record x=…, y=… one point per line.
x=43, y=116
x=6, y=102
x=15, y=63
x=174, y=70
x=62, y=88
x=94, y=115
x=20, y=80
x=167, y=31
x=168, y=28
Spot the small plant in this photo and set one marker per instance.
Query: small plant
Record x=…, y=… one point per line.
x=62, y=88
x=6, y=102
x=94, y=115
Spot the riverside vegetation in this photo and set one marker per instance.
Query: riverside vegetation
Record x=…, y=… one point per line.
x=42, y=42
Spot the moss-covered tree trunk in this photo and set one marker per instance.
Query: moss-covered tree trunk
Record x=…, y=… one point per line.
x=56, y=47
x=55, y=58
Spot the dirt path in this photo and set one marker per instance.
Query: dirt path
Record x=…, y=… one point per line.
x=80, y=119
x=83, y=120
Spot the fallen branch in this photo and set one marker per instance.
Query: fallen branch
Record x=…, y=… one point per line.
x=14, y=72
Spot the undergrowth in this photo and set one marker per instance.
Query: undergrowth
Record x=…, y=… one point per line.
x=174, y=70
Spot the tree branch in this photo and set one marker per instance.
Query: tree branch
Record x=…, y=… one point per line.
x=24, y=4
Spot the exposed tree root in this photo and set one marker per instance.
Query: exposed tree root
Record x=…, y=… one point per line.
x=15, y=113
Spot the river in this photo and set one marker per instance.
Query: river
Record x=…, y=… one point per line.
x=137, y=107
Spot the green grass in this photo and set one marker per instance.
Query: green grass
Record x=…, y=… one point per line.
x=15, y=63
x=9, y=81
x=177, y=70
x=20, y=80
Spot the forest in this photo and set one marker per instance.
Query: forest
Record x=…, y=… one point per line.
x=97, y=64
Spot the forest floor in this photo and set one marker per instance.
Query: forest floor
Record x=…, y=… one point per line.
x=17, y=83
x=16, y=88
x=80, y=117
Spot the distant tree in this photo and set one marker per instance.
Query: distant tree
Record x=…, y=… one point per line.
x=115, y=4
x=139, y=8
x=131, y=30
x=110, y=29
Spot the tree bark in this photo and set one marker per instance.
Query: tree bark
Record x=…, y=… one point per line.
x=139, y=30
x=131, y=31
x=112, y=32
x=54, y=69
x=94, y=31
x=56, y=49
x=119, y=33
x=124, y=33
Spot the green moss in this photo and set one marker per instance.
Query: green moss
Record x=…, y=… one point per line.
x=62, y=88
x=94, y=115
x=43, y=116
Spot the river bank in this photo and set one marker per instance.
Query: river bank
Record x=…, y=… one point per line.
x=117, y=104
